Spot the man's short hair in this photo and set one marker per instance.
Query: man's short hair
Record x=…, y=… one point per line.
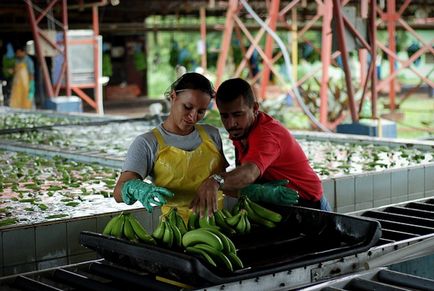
x=231, y=89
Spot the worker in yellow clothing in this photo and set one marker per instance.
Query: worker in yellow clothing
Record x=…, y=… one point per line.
x=177, y=155
x=23, y=83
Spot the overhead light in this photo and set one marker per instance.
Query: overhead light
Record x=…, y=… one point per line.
x=115, y=2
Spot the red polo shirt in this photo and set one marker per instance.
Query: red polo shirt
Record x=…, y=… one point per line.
x=279, y=156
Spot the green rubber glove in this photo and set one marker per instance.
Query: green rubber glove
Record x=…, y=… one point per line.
x=31, y=90
x=148, y=194
x=273, y=192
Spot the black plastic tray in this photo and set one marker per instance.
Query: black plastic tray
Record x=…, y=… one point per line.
x=304, y=237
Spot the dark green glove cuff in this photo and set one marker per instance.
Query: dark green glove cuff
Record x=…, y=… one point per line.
x=271, y=193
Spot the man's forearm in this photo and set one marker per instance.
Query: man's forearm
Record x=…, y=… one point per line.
x=239, y=178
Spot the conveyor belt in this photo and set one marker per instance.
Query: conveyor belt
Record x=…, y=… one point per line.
x=378, y=279
x=405, y=221
x=403, y=226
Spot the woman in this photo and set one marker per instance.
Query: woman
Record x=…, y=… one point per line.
x=23, y=84
x=177, y=155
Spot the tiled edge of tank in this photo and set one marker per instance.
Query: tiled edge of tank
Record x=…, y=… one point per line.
x=374, y=189
x=363, y=191
x=363, y=139
x=40, y=246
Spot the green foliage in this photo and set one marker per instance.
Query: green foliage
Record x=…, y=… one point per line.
x=213, y=117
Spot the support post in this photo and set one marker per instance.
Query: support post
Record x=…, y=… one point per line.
x=373, y=38
x=65, y=47
x=391, y=18
x=227, y=35
x=39, y=54
x=274, y=12
x=96, y=68
x=326, y=50
x=344, y=54
x=203, y=37
x=294, y=43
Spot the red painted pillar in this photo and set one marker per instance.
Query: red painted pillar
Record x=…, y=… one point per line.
x=95, y=27
x=65, y=47
x=274, y=13
x=373, y=32
x=391, y=18
x=203, y=37
x=226, y=42
x=38, y=50
x=344, y=54
x=326, y=52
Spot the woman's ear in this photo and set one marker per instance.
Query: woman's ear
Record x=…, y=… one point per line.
x=172, y=97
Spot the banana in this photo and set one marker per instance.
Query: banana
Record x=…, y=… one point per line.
x=168, y=234
x=236, y=208
x=177, y=235
x=171, y=216
x=240, y=227
x=140, y=231
x=202, y=253
x=248, y=225
x=205, y=221
x=128, y=229
x=158, y=232
x=235, y=260
x=233, y=220
x=254, y=217
x=228, y=245
x=199, y=235
x=220, y=258
x=232, y=248
x=221, y=222
x=264, y=212
x=180, y=224
x=193, y=221
x=118, y=227
x=109, y=226
x=226, y=212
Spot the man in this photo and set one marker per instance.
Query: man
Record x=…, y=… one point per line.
x=265, y=152
x=23, y=84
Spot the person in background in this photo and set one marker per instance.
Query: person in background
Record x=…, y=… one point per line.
x=23, y=83
x=270, y=163
x=177, y=155
x=8, y=64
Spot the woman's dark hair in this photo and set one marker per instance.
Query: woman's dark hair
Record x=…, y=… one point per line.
x=194, y=81
x=231, y=89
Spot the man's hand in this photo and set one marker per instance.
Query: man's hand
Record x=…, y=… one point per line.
x=273, y=192
x=148, y=194
x=206, y=198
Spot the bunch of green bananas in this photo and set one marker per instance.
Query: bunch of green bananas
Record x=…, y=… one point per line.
x=220, y=217
x=194, y=221
x=257, y=213
x=240, y=222
x=213, y=246
x=170, y=229
x=127, y=226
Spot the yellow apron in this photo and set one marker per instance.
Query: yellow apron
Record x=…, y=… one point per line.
x=20, y=88
x=182, y=172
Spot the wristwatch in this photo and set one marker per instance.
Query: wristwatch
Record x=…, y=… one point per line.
x=219, y=179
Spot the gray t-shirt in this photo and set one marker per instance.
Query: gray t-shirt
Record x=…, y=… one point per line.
x=143, y=151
